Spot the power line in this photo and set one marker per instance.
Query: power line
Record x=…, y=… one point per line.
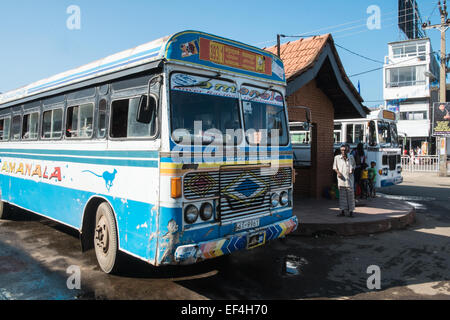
x=333, y=31
x=359, y=55
x=305, y=34
x=364, y=72
x=309, y=34
x=367, y=30
x=392, y=64
x=337, y=45
x=364, y=19
x=432, y=12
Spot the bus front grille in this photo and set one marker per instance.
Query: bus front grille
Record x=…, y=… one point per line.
x=392, y=163
x=201, y=185
x=247, y=192
x=239, y=192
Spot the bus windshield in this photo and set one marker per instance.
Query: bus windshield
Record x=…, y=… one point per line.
x=387, y=134
x=203, y=109
x=264, y=116
x=207, y=110
x=384, y=133
x=394, y=134
x=265, y=120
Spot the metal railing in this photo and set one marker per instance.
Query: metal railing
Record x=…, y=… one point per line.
x=420, y=163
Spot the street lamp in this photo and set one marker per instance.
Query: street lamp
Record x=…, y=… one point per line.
x=430, y=75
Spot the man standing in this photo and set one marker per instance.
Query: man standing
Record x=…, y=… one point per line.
x=344, y=165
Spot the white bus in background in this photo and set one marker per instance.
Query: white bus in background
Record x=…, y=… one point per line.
x=378, y=133
x=301, y=143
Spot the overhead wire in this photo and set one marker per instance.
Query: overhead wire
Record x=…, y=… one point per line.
x=335, y=28
x=392, y=64
x=305, y=34
x=357, y=54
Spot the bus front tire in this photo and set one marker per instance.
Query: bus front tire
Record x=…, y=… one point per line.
x=105, y=239
x=4, y=210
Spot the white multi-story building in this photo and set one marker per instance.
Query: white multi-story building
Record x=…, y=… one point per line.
x=410, y=78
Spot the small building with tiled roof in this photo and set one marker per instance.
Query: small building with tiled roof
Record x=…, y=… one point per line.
x=316, y=79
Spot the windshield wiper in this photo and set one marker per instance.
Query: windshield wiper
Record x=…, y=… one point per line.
x=200, y=84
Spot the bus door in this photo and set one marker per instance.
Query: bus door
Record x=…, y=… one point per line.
x=135, y=135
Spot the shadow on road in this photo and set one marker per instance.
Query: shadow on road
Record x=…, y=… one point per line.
x=325, y=267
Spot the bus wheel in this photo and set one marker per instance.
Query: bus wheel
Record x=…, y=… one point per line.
x=105, y=239
x=4, y=210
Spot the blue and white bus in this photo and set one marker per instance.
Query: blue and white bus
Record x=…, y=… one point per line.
x=106, y=149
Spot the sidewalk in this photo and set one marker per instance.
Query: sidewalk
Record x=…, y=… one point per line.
x=371, y=216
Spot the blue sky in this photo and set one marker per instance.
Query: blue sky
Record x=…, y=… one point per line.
x=35, y=42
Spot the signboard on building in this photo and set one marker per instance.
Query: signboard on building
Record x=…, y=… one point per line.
x=441, y=119
x=409, y=20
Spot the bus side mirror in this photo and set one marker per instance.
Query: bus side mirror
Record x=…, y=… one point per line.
x=146, y=109
x=308, y=119
x=306, y=126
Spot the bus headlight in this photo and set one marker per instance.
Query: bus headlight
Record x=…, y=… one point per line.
x=206, y=211
x=274, y=199
x=385, y=171
x=190, y=214
x=284, y=198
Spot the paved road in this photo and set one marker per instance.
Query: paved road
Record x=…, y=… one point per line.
x=35, y=254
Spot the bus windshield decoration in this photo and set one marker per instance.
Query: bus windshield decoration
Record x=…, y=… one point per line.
x=174, y=152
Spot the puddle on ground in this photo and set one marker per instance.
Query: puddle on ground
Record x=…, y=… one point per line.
x=417, y=206
x=406, y=198
x=293, y=265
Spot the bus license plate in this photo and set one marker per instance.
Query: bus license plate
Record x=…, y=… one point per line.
x=256, y=240
x=249, y=224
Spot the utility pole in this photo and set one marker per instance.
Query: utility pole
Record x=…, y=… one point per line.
x=279, y=36
x=442, y=27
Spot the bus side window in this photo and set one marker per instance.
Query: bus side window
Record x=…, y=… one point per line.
x=5, y=124
x=337, y=137
x=15, y=132
x=124, y=122
x=372, y=134
x=101, y=130
x=349, y=133
x=30, y=126
x=79, y=121
x=52, y=124
x=359, y=133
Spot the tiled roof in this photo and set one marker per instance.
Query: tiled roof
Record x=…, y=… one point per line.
x=299, y=55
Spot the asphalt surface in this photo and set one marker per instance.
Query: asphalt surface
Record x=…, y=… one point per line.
x=414, y=263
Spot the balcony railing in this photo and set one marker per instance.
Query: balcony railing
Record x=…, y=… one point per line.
x=405, y=84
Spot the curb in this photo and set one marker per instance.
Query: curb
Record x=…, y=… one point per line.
x=357, y=228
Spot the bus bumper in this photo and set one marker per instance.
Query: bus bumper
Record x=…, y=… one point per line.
x=190, y=254
x=391, y=182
